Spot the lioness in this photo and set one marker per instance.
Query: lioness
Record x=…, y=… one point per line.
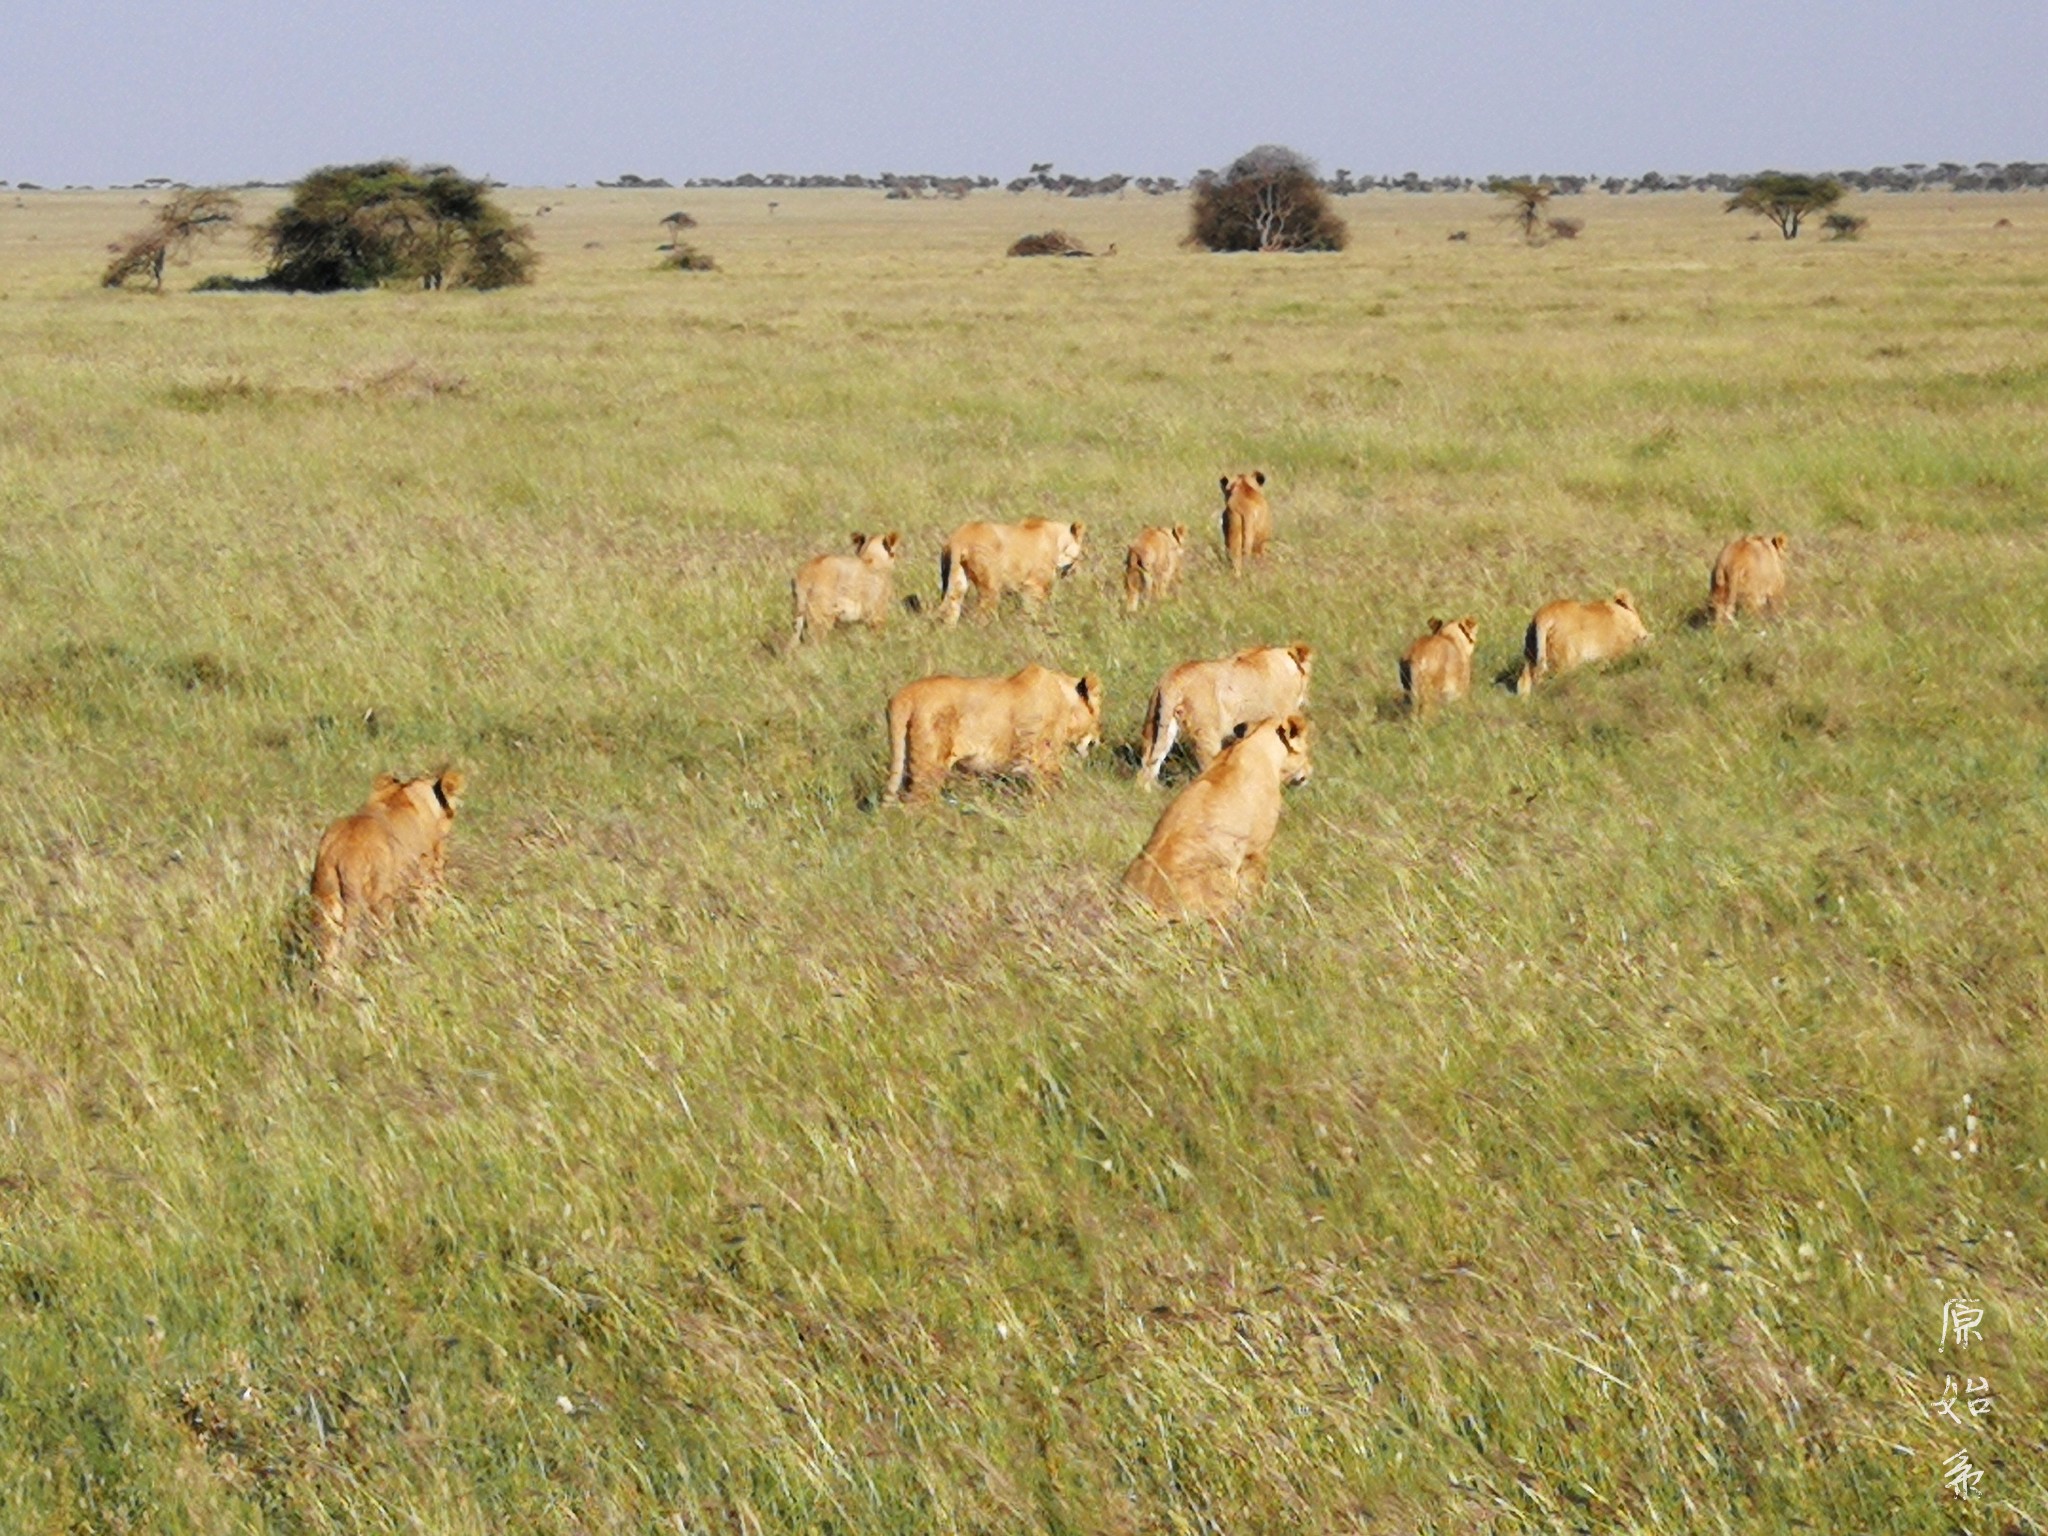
x=846, y=589
x=1750, y=573
x=1247, y=519
x=1209, y=848
x=1210, y=699
x=995, y=558
x=1152, y=564
x=1567, y=634
x=1437, y=668
x=394, y=849
x=1018, y=724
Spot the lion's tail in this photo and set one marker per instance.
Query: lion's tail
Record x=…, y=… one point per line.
x=1532, y=653
x=1162, y=726
x=1721, y=590
x=330, y=911
x=899, y=748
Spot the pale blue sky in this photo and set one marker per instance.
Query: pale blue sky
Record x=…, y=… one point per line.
x=98, y=91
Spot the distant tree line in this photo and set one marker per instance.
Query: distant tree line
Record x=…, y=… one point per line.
x=1944, y=176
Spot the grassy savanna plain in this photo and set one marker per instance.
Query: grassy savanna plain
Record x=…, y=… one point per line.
x=1585, y=1132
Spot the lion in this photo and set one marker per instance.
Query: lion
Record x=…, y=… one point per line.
x=1208, y=850
x=1437, y=668
x=1247, y=518
x=995, y=558
x=1750, y=573
x=1017, y=724
x=1152, y=564
x=1567, y=634
x=1207, y=700
x=846, y=589
x=392, y=850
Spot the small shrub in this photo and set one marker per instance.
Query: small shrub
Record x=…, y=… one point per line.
x=1844, y=226
x=1053, y=242
x=687, y=258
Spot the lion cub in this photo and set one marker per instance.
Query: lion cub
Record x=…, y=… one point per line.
x=394, y=849
x=1247, y=518
x=1566, y=634
x=1750, y=573
x=1209, y=849
x=1437, y=668
x=1017, y=724
x=1210, y=699
x=846, y=589
x=1152, y=564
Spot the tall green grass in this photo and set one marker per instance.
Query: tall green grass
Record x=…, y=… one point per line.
x=1584, y=1132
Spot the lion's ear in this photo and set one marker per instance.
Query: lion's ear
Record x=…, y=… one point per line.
x=384, y=783
x=1225, y=483
x=1778, y=542
x=1622, y=599
x=1302, y=655
x=1259, y=475
x=1180, y=533
x=1077, y=529
x=860, y=541
x=1471, y=627
x=1293, y=729
x=891, y=539
x=448, y=785
x=1436, y=626
x=1089, y=688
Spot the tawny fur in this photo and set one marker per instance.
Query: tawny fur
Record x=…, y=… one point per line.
x=994, y=558
x=1568, y=634
x=846, y=589
x=1247, y=518
x=1748, y=576
x=1025, y=723
x=1208, y=851
x=1152, y=564
x=1437, y=668
x=390, y=852
x=1205, y=701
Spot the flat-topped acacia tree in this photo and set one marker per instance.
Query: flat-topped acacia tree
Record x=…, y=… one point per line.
x=356, y=226
x=1785, y=198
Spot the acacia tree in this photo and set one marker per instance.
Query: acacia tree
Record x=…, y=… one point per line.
x=1268, y=199
x=1786, y=199
x=1525, y=201
x=355, y=226
x=193, y=214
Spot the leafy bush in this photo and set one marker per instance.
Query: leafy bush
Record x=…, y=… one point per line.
x=356, y=226
x=1267, y=199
